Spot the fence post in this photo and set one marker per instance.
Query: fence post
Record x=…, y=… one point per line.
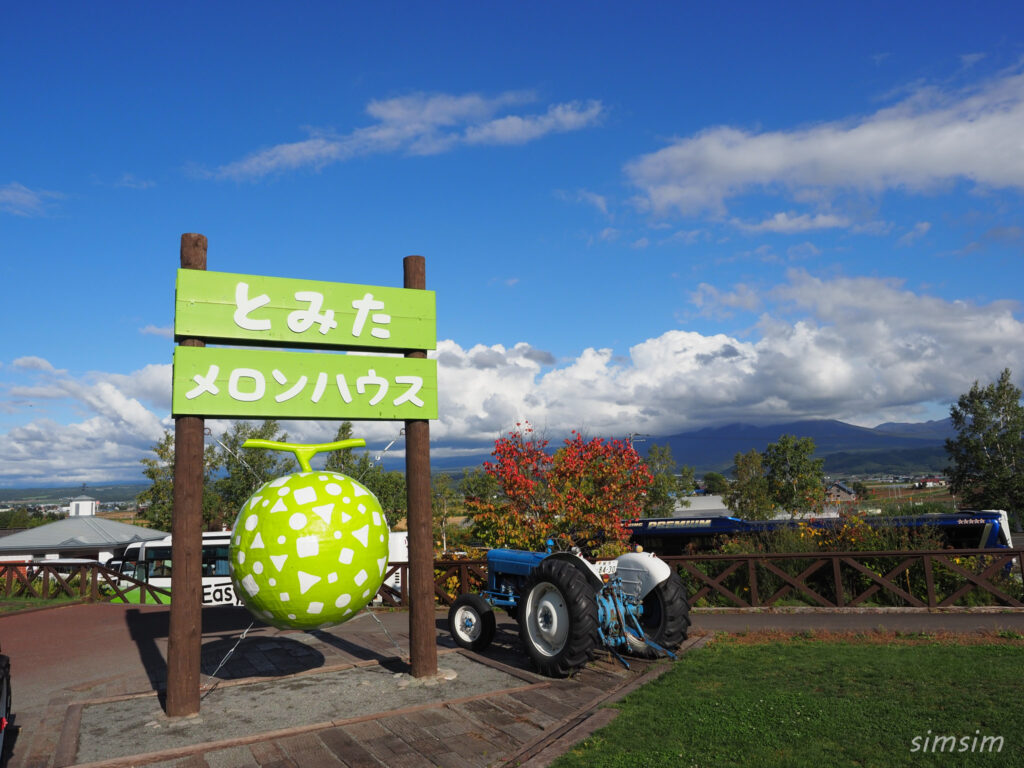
x=929, y=580
x=837, y=576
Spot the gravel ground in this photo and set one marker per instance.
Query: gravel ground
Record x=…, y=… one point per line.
x=138, y=725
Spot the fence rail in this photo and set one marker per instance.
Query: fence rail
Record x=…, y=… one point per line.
x=921, y=579
x=83, y=581
x=924, y=579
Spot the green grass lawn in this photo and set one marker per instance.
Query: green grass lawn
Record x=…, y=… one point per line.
x=805, y=702
x=13, y=604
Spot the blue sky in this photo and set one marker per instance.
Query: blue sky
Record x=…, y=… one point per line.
x=637, y=217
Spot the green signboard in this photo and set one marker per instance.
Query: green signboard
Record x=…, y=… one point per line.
x=302, y=313
x=268, y=383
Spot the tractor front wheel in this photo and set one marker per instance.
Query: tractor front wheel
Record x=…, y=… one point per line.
x=558, y=618
x=665, y=619
x=471, y=622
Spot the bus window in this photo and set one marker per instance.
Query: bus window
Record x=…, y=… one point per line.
x=159, y=561
x=215, y=560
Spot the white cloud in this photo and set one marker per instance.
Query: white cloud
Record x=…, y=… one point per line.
x=805, y=250
x=131, y=181
x=33, y=363
x=852, y=348
x=21, y=201
x=600, y=202
x=789, y=223
x=920, y=230
x=846, y=348
x=163, y=331
x=421, y=124
x=116, y=431
x=686, y=237
x=590, y=198
x=151, y=384
x=515, y=129
x=927, y=141
x=713, y=302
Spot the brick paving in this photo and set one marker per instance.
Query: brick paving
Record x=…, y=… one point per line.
x=67, y=659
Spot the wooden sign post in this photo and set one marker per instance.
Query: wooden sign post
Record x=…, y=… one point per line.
x=258, y=311
x=422, y=643
x=184, y=639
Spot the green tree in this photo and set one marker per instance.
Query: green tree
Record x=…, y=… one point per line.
x=716, y=484
x=748, y=494
x=987, y=454
x=246, y=469
x=23, y=517
x=479, y=486
x=156, y=503
x=669, y=484
x=860, y=488
x=444, y=504
x=344, y=462
x=388, y=487
x=796, y=480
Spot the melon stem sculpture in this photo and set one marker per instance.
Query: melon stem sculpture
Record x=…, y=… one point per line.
x=308, y=550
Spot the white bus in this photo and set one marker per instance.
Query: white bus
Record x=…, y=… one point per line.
x=151, y=562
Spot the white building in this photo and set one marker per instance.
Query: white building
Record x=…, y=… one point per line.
x=82, y=506
x=89, y=537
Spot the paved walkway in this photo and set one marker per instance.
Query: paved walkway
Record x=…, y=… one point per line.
x=86, y=680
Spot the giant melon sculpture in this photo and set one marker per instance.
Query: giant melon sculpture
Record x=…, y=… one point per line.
x=310, y=549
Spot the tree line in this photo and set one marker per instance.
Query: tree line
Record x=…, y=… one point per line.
x=582, y=491
x=231, y=474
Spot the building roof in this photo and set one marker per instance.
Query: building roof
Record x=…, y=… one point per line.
x=77, y=533
x=842, y=487
x=702, y=506
x=83, y=498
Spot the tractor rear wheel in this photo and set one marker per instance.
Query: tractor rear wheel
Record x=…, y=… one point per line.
x=471, y=622
x=665, y=619
x=558, y=618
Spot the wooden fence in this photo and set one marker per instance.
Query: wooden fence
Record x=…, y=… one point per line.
x=922, y=579
x=85, y=581
x=925, y=579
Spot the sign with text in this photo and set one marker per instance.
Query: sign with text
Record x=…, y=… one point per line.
x=266, y=383
x=302, y=313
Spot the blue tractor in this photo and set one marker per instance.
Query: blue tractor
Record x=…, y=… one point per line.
x=567, y=607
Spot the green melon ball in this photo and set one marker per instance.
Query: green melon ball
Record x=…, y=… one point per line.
x=309, y=550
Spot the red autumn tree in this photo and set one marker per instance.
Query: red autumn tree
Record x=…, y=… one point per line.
x=578, y=496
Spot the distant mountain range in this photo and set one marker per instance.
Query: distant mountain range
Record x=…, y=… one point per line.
x=893, y=447
x=63, y=494
x=896, y=448
x=847, y=449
